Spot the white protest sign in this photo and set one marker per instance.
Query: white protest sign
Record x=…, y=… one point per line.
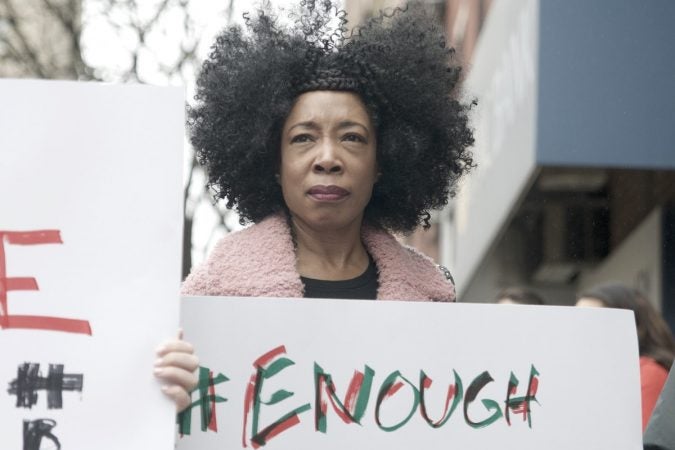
x=90, y=242
x=339, y=374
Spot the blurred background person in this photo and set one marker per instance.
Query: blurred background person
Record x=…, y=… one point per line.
x=518, y=296
x=656, y=343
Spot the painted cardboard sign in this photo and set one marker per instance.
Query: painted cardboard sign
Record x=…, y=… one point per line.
x=90, y=214
x=336, y=374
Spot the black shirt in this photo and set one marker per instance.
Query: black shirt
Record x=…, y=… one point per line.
x=362, y=287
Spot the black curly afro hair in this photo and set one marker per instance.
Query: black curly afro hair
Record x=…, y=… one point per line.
x=399, y=65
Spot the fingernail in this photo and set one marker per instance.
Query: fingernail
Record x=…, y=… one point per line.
x=158, y=371
x=161, y=348
x=159, y=361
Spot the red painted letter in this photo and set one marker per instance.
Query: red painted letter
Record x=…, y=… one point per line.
x=356, y=399
x=266, y=367
x=521, y=405
x=7, y=284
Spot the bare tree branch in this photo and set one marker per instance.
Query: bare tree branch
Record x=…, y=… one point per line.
x=68, y=16
x=28, y=54
x=66, y=20
x=230, y=11
x=158, y=13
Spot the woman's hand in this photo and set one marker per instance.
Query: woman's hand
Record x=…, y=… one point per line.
x=176, y=367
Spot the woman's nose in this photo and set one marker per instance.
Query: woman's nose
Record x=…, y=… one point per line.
x=327, y=159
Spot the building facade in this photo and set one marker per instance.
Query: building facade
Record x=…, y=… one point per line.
x=575, y=183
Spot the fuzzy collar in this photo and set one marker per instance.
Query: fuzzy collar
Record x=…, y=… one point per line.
x=259, y=261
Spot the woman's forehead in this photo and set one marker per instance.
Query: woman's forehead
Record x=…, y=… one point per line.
x=328, y=107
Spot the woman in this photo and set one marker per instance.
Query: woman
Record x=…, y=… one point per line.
x=327, y=143
x=656, y=344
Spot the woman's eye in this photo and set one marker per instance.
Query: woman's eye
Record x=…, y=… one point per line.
x=353, y=137
x=301, y=138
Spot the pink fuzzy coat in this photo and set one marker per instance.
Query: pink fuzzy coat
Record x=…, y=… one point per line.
x=259, y=261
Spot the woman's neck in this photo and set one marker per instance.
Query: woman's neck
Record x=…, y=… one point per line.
x=335, y=254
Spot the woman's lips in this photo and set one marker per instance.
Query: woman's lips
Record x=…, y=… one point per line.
x=327, y=193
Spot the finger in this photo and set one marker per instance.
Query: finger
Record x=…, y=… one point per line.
x=175, y=375
x=179, y=396
x=175, y=346
x=186, y=361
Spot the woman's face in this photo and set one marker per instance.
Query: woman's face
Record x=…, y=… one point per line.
x=328, y=160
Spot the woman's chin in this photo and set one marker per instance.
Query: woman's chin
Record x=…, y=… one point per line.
x=328, y=221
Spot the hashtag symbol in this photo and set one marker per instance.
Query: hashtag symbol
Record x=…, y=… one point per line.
x=206, y=402
x=29, y=381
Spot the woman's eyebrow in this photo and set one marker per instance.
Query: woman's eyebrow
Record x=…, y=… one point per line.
x=315, y=126
x=307, y=124
x=351, y=123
